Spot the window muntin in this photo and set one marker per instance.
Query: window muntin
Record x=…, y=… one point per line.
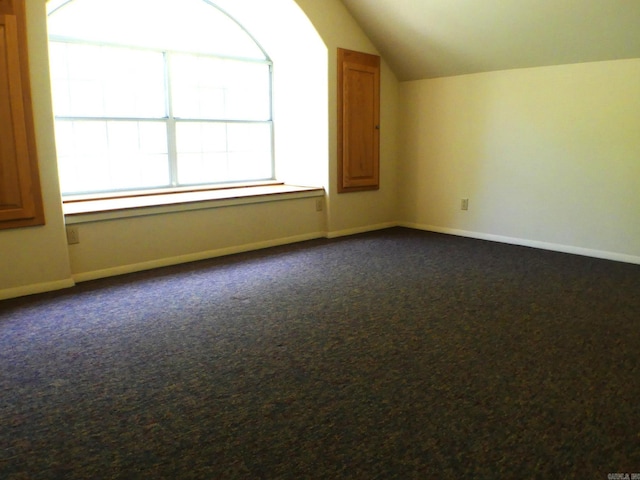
x=157, y=110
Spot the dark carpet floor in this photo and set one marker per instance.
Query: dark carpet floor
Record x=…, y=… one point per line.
x=390, y=355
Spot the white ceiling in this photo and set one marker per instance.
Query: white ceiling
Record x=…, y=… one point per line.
x=435, y=38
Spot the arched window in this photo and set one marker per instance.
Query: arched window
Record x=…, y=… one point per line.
x=154, y=94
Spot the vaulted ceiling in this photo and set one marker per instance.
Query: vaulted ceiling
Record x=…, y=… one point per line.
x=435, y=38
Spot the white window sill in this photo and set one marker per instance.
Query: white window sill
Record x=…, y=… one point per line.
x=99, y=209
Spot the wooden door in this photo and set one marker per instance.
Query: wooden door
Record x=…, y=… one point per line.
x=358, y=121
x=14, y=174
x=20, y=198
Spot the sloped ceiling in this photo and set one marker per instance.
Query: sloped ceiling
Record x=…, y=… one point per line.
x=435, y=38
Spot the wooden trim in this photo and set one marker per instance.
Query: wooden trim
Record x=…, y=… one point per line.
x=90, y=197
x=109, y=209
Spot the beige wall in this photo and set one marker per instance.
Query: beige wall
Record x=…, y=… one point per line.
x=353, y=212
x=38, y=259
x=125, y=245
x=548, y=157
x=35, y=259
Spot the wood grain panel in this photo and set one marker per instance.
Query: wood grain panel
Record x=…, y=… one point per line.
x=7, y=7
x=358, y=121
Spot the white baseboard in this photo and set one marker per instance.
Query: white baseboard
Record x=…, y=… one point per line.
x=355, y=231
x=165, y=262
x=35, y=288
x=194, y=257
x=556, y=247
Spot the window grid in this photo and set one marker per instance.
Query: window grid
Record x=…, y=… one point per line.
x=171, y=124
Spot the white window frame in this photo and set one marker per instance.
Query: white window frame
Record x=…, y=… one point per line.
x=171, y=121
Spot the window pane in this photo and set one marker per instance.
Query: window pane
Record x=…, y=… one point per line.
x=223, y=152
x=98, y=156
x=249, y=151
x=100, y=81
x=214, y=88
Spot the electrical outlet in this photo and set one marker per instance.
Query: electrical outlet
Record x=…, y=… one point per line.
x=464, y=204
x=318, y=204
x=73, y=236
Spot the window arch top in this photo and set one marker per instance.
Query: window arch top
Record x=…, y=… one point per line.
x=195, y=26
